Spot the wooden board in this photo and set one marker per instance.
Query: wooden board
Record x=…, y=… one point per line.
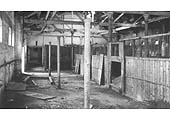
x=77, y=66
x=106, y=70
x=36, y=95
x=97, y=67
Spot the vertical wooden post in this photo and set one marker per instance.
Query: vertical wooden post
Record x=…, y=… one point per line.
x=87, y=64
x=122, y=56
x=43, y=53
x=146, y=16
x=109, y=49
x=58, y=63
x=49, y=59
x=163, y=49
x=133, y=48
x=72, y=51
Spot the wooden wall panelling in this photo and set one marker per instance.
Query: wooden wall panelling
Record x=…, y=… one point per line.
x=100, y=68
x=168, y=82
x=82, y=65
x=156, y=79
x=77, y=66
x=166, y=79
x=153, y=80
x=106, y=70
x=161, y=79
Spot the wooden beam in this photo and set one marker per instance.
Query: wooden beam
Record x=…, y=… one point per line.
x=146, y=16
x=119, y=24
x=53, y=22
x=144, y=37
x=109, y=49
x=104, y=37
x=53, y=15
x=72, y=50
x=157, y=13
x=123, y=66
x=46, y=17
x=79, y=16
x=149, y=21
x=45, y=25
x=118, y=17
x=58, y=62
x=87, y=64
x=49, y=59
x=31, y=14
x=75, y=23
x=157, y=19
x=138, y=19
x=43, y=28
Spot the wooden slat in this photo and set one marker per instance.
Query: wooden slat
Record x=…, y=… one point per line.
x=168, y=82
x=115, y=58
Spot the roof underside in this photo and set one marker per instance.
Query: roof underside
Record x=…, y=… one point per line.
x=39, y=20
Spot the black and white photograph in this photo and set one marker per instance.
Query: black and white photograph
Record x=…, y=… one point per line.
x=84, y=59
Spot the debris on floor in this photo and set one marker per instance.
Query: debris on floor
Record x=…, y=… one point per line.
x=36, y=95
x=69, y=97
x=16, y=86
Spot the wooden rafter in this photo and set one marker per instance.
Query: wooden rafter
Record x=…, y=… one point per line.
x=31, y=14
x=79, y=16
x=47, y=15
x=45, y=25
x=118, y=17
x=53, y=15
x=138, y=19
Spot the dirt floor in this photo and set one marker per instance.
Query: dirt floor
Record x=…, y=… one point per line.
x=69, y=97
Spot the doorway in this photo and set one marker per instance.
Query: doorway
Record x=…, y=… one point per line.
x=116, y=73
x=34, y=56
x=65, y=57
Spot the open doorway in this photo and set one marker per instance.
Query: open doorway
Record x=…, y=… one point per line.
x=116, y=73
x=34, y=57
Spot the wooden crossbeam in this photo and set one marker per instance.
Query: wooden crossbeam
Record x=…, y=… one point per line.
x=158, y=13
x=120, y=24
x=45, y=25
x=157, y=19
x=75, y=23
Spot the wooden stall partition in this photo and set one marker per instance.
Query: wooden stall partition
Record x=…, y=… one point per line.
x=106, y=79
x=97, y=67
x=148, y=78
x=122, y=59
x=77, y=63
